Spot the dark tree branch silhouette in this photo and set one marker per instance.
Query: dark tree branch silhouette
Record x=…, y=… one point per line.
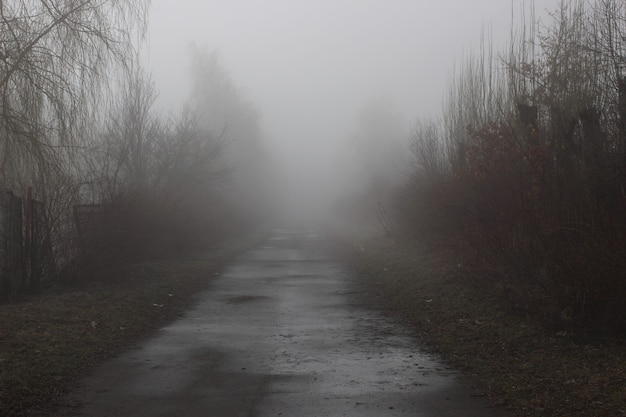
x=55, y=60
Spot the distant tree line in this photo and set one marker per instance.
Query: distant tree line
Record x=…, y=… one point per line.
x=78, y=124
x=524, y=174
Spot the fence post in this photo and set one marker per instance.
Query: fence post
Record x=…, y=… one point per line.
x=41, y=255
x=10, y=243
x=28, y=243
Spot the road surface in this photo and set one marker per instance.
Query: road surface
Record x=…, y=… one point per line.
x=279, y=333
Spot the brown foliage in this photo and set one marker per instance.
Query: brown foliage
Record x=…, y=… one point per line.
x=532, y=198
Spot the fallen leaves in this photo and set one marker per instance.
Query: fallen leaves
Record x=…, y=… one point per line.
x=518, y=364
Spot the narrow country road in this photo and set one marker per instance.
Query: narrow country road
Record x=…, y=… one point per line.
x=278, y=335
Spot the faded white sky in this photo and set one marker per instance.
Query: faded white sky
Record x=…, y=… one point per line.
x=308, y=65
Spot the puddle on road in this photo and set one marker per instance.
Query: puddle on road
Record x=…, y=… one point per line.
x=243, y=299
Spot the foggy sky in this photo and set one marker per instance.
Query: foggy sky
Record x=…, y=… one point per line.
x=310, y=65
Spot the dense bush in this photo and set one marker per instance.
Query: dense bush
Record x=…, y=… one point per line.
x=527, y=181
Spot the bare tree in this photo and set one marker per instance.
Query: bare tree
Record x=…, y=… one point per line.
x=54, y=59
x=132, y=130
x=229, y=119
x=477, y=95
x=186, y=158
x=429, y=149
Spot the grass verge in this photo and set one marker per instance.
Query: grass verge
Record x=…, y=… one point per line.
x=519, y=364
x=49, y=341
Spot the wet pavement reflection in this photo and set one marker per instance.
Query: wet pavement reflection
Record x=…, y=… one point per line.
x=279, y=333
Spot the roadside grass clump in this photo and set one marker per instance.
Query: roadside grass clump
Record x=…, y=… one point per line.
x=509, y=356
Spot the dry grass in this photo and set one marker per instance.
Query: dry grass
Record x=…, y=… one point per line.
x=517, y=362
x=48, y=341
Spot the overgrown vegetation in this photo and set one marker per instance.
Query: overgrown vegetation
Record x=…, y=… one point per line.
x=524, y=176
x=164, y=186
x=508, y=357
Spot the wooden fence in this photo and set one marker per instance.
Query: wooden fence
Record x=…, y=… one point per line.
x=26, y=260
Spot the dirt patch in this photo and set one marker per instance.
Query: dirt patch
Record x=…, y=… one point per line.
x=519, y=363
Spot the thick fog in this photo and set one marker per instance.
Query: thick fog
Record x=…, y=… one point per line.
x=336, y=83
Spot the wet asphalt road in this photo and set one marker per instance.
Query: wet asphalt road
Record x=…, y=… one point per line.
x=278, y=334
